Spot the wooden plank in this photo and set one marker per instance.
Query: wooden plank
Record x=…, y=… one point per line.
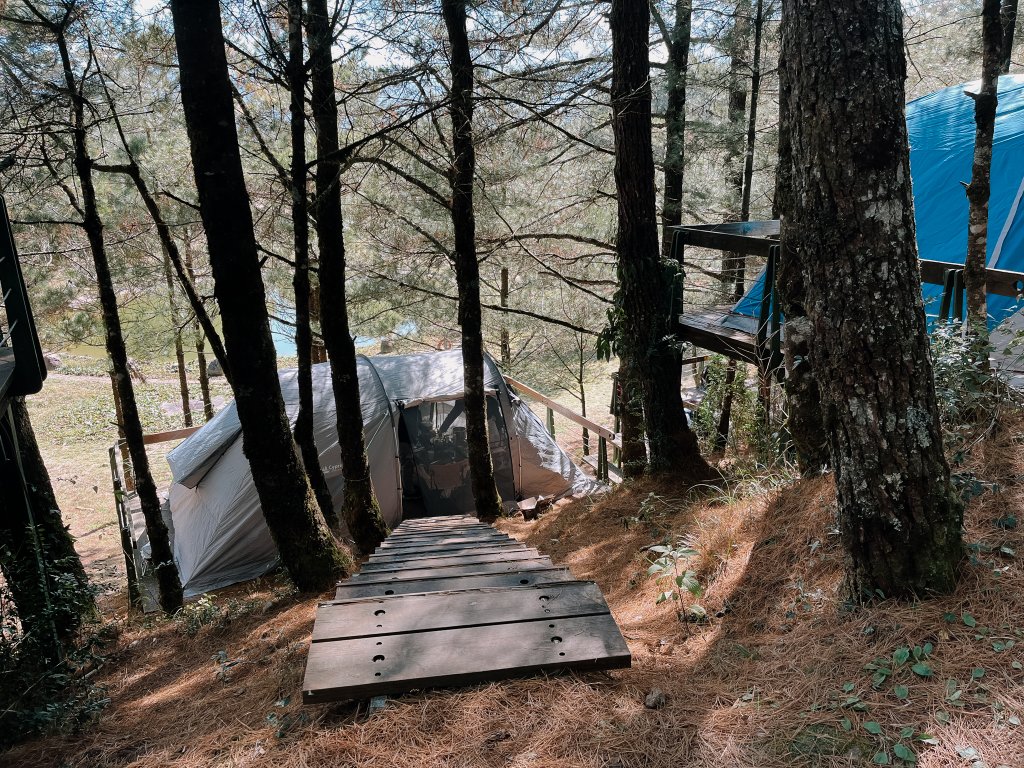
x=613, y=471
x=469, y=558
x=453, y=570
x=434, y=529
x=446, y=527
x=436, y=521
x=752, y=237
x=174, y=434
x=554, y=405
x=1000, y=282
x=437, y=529
x=359, y=668
x=399, y=543
x=448, y=610
x=490, y=549
x=349, y=591
x=441, y=541
x=704, y=330
x=426, y=539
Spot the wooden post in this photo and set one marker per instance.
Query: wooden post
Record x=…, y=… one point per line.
x=602, y=458
x=551, y=422
x=124, y=523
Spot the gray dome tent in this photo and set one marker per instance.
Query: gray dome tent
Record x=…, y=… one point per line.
x=414, y=428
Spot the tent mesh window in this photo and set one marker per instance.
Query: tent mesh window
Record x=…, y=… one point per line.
x=435, y=460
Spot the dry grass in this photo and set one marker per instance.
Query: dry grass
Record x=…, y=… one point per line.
x=761, y=685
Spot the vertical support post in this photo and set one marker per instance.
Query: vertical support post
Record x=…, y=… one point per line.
x=958, y=295
x=551, y=422
x=616, y=412
x=947, y=295
x=764, y=323
x=602, y=458
x=124, y=524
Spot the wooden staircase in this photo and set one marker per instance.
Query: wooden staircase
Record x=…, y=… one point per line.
x=449, y=601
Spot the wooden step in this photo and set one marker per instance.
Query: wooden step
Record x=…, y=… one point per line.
x=347, y=590
x=451, y=601
x=391, y=664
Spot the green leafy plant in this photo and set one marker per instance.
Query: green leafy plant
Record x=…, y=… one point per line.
x=192, y=617
x=671, y=565
x=40, y=694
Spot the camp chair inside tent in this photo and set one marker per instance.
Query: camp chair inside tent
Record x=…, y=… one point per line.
x=434, y=456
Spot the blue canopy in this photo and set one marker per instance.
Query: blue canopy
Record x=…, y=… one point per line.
x=941, y=128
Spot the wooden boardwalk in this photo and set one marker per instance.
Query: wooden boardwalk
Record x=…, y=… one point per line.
x=450, y=601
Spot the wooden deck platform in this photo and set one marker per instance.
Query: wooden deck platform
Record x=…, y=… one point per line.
x=704, y=329
x=450, y=601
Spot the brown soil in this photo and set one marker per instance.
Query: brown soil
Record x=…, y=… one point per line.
x=777, y=679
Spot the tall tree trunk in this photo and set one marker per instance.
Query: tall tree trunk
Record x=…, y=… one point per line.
x=319, y=351
x=1009, y=18
x=360, y=510
x=186, y=277
x=32, y=534
x=804, y=419
x=126, y=459
x=676, y=69
x=735, y=263
x=304, y=435
x=985, y=102
x=506, y=347
x=179, y=350
x=633, y=459
x=633, y=456
x=166, y=571
x=204, y=376
x=849, y=226
x=467, y=268
x=305, y=544
x=22, y=559
x=645, y=284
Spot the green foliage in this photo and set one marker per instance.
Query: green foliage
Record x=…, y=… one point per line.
x=969, y=396
x=39, y=694
x=670, y=566
x=204, y=612
x=192, y=617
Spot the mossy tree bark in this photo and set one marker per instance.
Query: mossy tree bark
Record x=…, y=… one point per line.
x=360, y=510
x=33, y=536
x=305, y=544
x=848, y=224
x=804, y=420
x=646, y=343
x=464, y=257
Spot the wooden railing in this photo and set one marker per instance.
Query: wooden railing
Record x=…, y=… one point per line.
x=606, y=471
x=123, y=483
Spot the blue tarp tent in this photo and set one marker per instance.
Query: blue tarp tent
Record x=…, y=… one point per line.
x=941, y=128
